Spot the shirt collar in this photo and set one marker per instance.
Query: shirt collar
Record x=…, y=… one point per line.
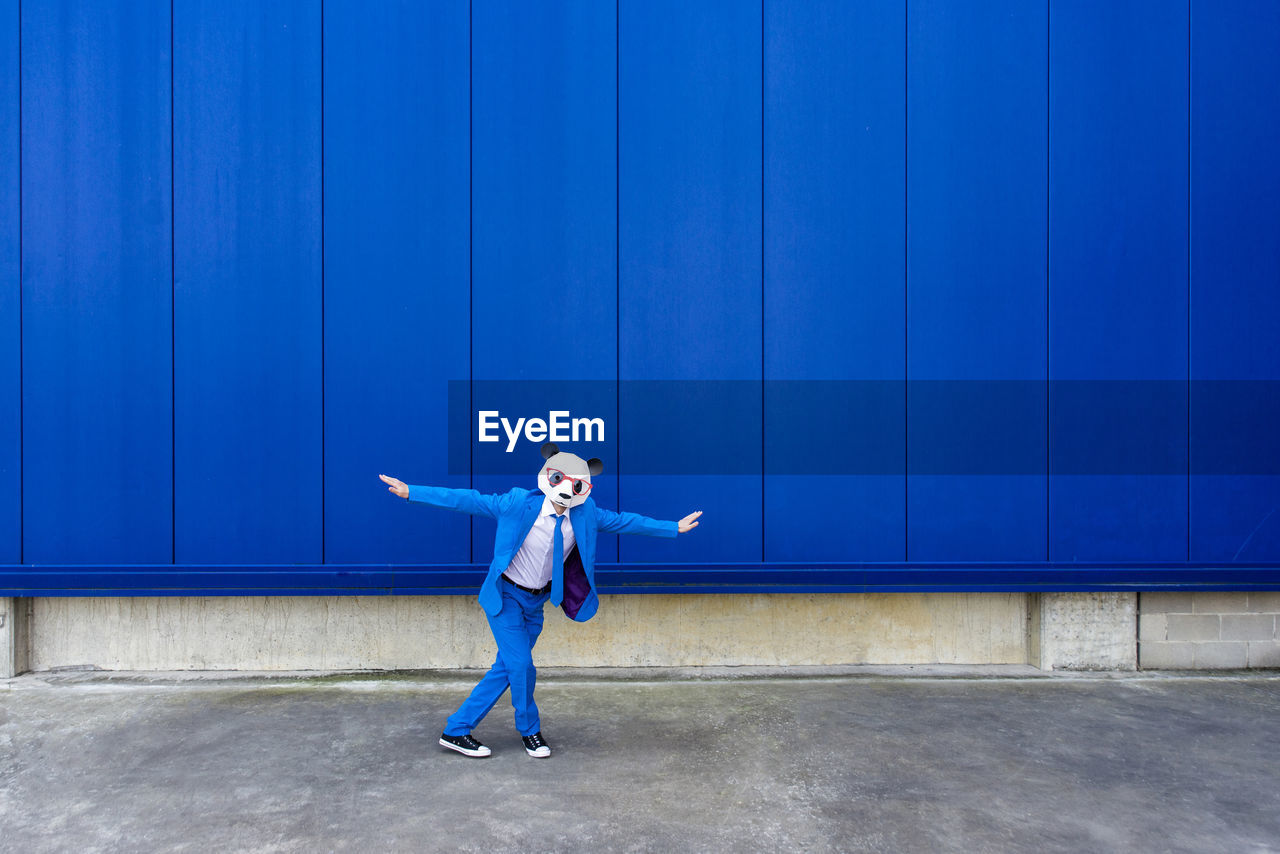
x=548, y=509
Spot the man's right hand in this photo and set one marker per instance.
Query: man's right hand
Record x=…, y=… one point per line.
x=396, y=486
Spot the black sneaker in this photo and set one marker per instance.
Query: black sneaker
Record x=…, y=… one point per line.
x=464, y=744
x=535, y=745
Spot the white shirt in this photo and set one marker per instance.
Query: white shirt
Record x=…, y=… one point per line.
x=531, y=566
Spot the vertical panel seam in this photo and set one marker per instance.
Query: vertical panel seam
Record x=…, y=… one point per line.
x=22, y=524
x=1048, y=234
x=906, y=282
x=323, y=411
x=173, y=314
x=471, y=284
x=1189, y=117
x=763, y=419
x=617, y=254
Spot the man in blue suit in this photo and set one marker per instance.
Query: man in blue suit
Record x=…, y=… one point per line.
x=545, y=550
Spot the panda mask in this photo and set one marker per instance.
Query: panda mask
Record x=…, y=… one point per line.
x=566, y=478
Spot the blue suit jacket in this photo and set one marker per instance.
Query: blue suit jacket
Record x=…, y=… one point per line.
x=516, y=511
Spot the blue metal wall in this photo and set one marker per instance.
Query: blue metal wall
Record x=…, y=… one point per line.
x=245, y=247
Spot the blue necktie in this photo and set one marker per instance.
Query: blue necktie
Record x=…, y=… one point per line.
x=557, y=563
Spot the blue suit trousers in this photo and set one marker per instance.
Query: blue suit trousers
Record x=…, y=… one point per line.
x=516, y=628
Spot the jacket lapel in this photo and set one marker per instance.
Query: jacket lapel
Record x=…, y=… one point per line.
x=532, y=504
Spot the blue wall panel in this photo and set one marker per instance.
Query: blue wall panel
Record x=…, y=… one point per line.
x=397, y=294
x=1118, y=275
x=248, y=290
x=97, y=283
x=545, y=219
x=834, y=178
x=1235, y=279
x=912, y=280
x=976, y=244
x=689, y=304
x=10, y=292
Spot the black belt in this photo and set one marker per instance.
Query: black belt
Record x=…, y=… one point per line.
x=539, y=592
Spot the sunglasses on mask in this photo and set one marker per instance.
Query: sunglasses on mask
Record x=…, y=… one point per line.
x=556, y=477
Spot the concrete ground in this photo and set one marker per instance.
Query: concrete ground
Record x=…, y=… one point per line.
x=861, y=761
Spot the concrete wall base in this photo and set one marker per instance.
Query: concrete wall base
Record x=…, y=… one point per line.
x=412, y=632
x=14, y=645
x=1052, y=631
x=1083, y=631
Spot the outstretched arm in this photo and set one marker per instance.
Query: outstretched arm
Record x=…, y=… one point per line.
x=610, y=522
x=461, y=500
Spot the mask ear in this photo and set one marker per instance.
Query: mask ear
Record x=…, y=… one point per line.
x=595, y=465
x=549, y=450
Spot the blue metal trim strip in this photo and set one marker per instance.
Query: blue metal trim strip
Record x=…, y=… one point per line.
x=464, y=579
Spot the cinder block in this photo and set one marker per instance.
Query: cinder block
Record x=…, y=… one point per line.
x=1193, y=627
x=1265, y=601
x=1248, y=627
x=1166, y=656
x=1152, y=627
x=1164, y=602
x=1221, y=656
x=1263, y=654
x=1227, y=602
